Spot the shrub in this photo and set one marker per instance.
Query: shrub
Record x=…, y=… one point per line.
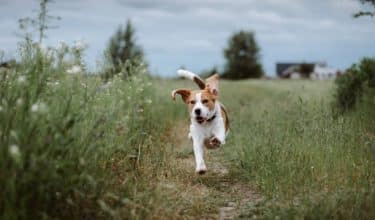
x=357, y=81
x=61, y=134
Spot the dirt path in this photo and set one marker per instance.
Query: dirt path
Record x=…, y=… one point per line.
x=223, y=194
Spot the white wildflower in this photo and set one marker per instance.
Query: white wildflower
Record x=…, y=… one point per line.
x=148, y=101
x=19, y=102
x=84, y=85
x=21, y=79
x=79, y=45
x=53, y=83
x=74, y=69
x=14, y=151
x=39, y=107
x=34, y=108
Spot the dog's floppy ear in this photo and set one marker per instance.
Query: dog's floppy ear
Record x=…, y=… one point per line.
x=185, y=93
x=213, y=84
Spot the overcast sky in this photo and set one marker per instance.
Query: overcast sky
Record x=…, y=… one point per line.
x=193, y=33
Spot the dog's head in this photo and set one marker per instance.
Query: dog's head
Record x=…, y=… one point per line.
x=201, y=103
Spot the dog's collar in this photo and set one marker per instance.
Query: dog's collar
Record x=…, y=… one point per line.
x=212, y=118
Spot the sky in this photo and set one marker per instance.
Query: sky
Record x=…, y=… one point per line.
x=194, y=33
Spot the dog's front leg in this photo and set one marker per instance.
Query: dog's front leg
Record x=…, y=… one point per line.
x=198, y=154
x=218, y=134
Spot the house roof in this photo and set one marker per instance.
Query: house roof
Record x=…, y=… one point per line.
x=283, y=69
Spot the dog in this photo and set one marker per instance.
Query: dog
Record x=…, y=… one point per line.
x=209, y=119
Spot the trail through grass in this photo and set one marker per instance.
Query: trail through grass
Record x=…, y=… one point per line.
x=219, y=194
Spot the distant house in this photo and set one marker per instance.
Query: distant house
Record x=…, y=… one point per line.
x=324, y=72
x=289, y=70
x=317, y=70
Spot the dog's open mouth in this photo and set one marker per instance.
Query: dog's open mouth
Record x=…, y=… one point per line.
x=200, y=119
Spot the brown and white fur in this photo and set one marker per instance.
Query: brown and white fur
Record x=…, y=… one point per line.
x=209, y=120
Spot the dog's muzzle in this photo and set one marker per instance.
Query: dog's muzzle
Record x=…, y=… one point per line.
x=200, y=119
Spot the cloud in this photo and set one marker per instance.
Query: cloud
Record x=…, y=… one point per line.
x=193, y=33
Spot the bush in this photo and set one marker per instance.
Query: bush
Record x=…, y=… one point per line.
x=357, y=81
x=62, y=135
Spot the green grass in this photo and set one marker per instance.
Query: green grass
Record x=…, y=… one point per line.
x=73, y=147
x=307, y=163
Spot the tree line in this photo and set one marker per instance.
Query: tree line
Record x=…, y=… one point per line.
x=242, y=54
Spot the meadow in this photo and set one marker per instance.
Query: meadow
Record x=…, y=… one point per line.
x=73, y=146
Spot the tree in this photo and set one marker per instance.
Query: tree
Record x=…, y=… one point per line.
x=366, y=13
x=242, y=57
x=122, y=48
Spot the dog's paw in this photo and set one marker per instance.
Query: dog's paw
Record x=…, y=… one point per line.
x=212, y=143
x=201, y=171
x=215, y=141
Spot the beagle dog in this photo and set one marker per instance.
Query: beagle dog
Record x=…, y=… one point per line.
x=209, y=120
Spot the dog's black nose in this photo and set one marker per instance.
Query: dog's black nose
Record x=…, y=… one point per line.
x=197, y=111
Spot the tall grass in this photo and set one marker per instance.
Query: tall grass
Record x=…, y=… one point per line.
x=72, y=146
x=308, y=163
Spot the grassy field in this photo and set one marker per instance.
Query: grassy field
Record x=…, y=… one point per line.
x=298, y=160
x=305, y=162
x=75, y=147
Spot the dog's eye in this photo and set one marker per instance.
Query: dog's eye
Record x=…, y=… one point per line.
x=192, y=102
x=204, y=101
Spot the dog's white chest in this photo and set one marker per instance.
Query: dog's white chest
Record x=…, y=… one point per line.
x=207, y=130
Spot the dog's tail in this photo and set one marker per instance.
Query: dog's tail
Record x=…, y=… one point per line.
x=194, y=77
